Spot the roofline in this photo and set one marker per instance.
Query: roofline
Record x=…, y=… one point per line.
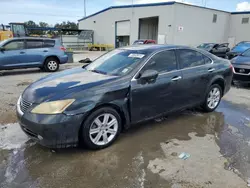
x=129, y=6
x=158, y=4
x=202, y=7
x=243, y=12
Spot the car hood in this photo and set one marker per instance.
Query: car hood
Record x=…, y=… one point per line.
x=64, y=83
x=241, y=60
x=240, y=49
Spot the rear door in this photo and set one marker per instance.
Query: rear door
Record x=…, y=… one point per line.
x=220, y=50
x=161, y=95
x=197, y=70
x=13, y=54
x=34, y=52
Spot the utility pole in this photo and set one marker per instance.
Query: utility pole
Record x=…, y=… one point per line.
x=84, y=8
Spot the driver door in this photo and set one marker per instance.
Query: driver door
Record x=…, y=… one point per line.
x=163, y=94
x=13, y=54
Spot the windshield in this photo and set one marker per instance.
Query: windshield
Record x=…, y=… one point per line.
x=118, y=62
x=246, y=53
x=242, y=46
x=206, y=46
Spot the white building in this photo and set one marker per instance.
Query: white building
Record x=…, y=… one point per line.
x=169, y=22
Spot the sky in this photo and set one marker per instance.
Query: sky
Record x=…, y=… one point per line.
x=55, y=11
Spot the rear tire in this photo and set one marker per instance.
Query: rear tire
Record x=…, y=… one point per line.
x=213, y=98
x=101, y=128
x=51, y=64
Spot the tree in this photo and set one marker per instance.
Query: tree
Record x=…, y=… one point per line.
x=63, y=25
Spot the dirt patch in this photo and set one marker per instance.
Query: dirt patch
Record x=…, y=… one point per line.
x=177, y=170
x=24, y=83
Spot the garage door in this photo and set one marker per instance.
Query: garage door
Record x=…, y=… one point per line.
x=123, y=28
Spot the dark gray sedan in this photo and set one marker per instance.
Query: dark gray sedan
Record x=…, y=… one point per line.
x=91, y=105
x=241, y=65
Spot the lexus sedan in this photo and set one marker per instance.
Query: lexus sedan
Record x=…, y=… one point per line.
x=241, y=65
x=91, y=105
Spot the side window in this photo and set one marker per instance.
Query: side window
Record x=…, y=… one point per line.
x=48, y=43
x=207, y=60
x=15, y=45
x=190, y=58
x=34, y=44
x=162, y=62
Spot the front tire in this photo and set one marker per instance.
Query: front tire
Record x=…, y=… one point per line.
x=100, y=129
x=213, y=98
x=51, y=64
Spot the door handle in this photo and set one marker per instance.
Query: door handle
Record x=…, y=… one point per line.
x=211, y=70
x=45, y=50
x=176, y=78
x=22, y=52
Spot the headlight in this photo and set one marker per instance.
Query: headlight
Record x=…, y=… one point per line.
x=53, y=107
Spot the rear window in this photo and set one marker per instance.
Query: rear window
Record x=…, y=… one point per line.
x=48, y=43
x=34, y=44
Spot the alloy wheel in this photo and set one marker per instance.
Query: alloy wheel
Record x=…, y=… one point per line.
x=103, y=129
x=52, y=65
x=213, y=98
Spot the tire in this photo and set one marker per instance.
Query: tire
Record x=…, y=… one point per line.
x=215, y=99
x=51, y=64
x=99, y=129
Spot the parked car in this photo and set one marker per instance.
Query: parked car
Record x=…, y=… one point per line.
x=91, y=105
x=17, y=53
x=144, y=41
x=241, y=65
x=219, y=50
x=238, y=49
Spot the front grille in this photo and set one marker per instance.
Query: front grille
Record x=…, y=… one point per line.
x=24, y=105
x=242, y=71
x=241, y=78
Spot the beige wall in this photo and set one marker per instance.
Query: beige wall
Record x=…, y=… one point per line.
x=238, y=31
x=196, y=23
x=198, y=26
x=104, y=28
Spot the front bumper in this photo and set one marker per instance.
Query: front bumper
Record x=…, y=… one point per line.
x=53, y=131
x=241, y=78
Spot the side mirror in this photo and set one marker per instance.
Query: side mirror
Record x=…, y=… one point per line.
x=149, y=75
x=2, y=49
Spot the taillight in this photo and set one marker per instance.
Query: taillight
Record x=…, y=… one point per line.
x=63, y=48
x=232, y=67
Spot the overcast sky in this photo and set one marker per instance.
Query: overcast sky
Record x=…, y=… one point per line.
x=53, y=11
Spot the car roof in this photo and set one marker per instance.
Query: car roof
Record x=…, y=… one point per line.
x=152, y=48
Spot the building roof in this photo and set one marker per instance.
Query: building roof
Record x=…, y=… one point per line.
x=156, y=4
x=243, y=12
x=129, y=6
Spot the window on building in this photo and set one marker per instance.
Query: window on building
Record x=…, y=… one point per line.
x=34, y=44
x=190, y=58
x=162, y=62
x=214, y=18
x=245, y=20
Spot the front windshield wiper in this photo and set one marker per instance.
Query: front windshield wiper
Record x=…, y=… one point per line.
x=98, y=71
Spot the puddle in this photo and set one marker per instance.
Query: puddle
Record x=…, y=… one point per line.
x=140, y=157
x=12, y=136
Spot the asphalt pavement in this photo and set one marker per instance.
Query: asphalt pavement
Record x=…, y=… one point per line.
x=146, y=156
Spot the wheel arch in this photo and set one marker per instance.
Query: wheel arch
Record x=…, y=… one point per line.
x=220, y=81
x=51, y=56
x=120, y=110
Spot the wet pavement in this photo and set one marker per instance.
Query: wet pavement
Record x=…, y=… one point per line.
x=144, y=156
